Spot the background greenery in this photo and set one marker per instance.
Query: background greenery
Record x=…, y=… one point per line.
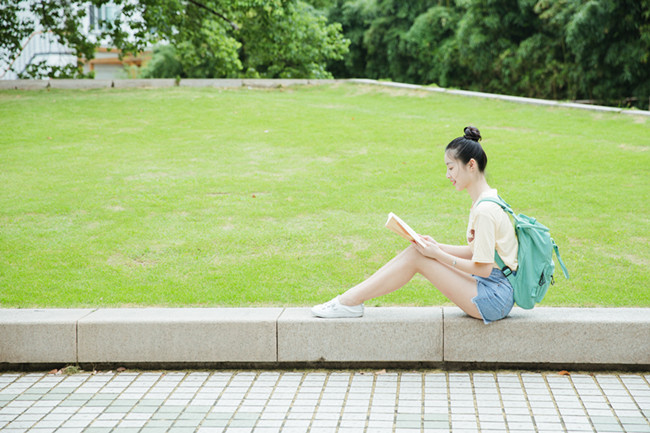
x=206, y=197
x=596, y=50
x=192, y=38
x=588, y=50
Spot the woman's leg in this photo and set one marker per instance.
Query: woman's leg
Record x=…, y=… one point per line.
x=457, y=286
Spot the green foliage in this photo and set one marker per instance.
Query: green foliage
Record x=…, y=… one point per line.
x=596, y=50
x=295, y=42
x=611, y=45
x=379, y=27
x=207, y=53
x=164, y=64
x=71, y=370
x=355, y=17
x=430, y=40
x=287, y=39
x=206, y=38
x=561, y=49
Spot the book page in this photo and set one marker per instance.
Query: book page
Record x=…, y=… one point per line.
x=397, y=225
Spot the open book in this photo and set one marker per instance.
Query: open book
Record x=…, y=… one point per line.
x=397, y=225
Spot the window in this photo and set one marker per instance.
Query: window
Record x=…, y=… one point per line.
x=100, y=15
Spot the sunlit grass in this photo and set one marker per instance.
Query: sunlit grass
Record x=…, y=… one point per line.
x=207, y=197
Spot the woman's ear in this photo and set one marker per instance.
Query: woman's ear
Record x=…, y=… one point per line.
x=472, y=164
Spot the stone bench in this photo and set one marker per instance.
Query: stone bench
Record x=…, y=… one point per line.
x=568, y=338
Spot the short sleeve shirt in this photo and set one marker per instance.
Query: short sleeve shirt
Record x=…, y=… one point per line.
x=490, y=229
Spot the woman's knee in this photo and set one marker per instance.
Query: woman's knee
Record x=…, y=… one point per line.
x=413, y=257
x=411, y=254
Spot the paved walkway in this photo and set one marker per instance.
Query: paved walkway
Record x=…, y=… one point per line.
x=329, y=401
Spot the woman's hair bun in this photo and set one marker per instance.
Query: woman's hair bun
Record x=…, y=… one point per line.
x=472, y=133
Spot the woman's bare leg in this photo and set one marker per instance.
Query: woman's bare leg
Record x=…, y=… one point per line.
x=457, y=286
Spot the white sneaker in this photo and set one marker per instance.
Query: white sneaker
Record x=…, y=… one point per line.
x=334, y=309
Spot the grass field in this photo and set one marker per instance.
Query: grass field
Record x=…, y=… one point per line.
x=207, y=197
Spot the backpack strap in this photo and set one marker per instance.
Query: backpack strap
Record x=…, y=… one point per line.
x=559, y=259
x=506, y=207
x=501, y=202
x=506, y=270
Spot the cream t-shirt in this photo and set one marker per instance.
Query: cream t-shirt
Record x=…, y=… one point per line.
x=490, y=228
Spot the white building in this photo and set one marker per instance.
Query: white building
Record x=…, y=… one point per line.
x=43, y=46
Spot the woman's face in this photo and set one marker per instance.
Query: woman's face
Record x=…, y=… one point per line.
x=457, y=172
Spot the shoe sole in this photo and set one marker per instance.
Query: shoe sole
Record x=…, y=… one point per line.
x=356, y=316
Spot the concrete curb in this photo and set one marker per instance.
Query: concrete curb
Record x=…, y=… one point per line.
x=86, y=84
x=516, y=99
x=279, y=83
x=586, y=338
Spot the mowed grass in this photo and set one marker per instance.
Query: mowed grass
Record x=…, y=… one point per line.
x=249, y=197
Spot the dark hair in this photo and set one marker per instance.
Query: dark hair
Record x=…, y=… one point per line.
x=467, y=147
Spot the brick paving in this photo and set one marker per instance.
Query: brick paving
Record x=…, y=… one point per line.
x=324, y=401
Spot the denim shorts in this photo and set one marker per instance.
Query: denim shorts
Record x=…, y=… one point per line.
x=495, y=296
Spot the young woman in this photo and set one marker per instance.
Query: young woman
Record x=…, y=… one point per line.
x=466, y=274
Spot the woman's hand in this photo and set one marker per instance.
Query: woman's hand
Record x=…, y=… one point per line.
x=432, y=249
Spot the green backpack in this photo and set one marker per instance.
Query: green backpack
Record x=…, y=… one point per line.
x=535, y=272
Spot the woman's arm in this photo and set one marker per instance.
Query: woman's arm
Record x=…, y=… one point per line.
x=462, y=251
x=466, y=265
x=456, y=256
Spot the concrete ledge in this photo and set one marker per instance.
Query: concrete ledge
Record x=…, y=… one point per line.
x=382, y=335
x=144, y=83
x=587, y=338
x=197, y=82
x=582, y=336
x=39, y=336
x=272, y=83
x=24, y=84
x=284, y=82
x=516, y=99
x=183, y=335
x=153, y=83
x=80, y=84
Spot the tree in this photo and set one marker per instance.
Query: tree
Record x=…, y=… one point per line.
x=209, y=38
x=355, y=17
x=542, y=65
x=377, y=30
x=385, y=38
x=488, y=36
x=432, y=45
x=294, y=42
x=560, y=49
x=611, y=45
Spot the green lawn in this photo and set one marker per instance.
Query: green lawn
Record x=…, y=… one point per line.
x=208, y=197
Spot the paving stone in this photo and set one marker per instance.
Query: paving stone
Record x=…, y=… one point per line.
x=357, y=403
x=636, y=428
